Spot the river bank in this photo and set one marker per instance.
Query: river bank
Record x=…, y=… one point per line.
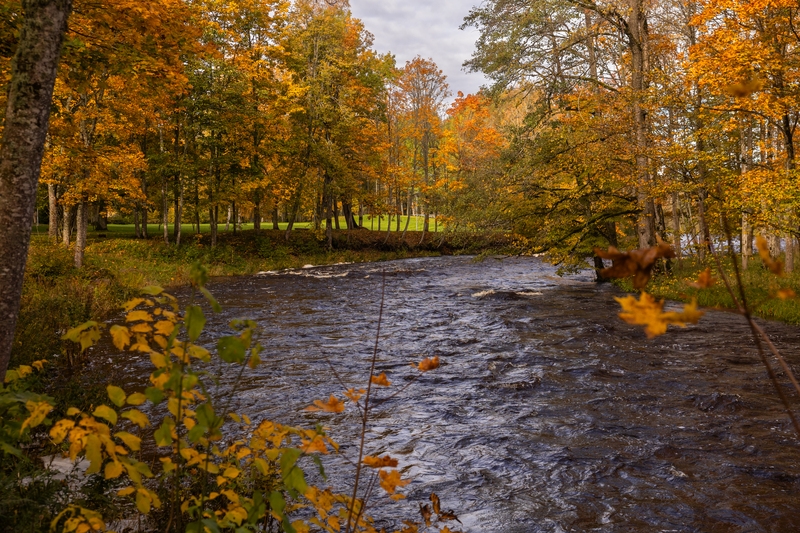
x=761, y=288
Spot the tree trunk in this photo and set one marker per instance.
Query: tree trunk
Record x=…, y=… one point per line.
x=145, y=235
x=789, y=257
x=52, y=219
x=136, y=228
x=30, y=94
x=676, y=225
x=179, y=214
x=637, y=37
x=275, y=218
x=213, y=212
x=81, y=222
x=66, y=230
x=165, y=211
x=257, y=211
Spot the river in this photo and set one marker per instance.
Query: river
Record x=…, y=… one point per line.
x=547, y=413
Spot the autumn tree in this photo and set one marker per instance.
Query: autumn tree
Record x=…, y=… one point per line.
x=32, y=78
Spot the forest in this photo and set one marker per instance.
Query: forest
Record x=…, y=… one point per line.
x=151, y=148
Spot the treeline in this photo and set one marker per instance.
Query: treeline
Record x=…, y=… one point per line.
x=256, y=110
x=631, y=119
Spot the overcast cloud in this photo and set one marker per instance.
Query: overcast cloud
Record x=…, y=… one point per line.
x=408, y=28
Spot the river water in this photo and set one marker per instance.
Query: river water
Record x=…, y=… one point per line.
x=547, y=413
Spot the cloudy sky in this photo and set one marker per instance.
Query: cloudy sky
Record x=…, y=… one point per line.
x=428, y=28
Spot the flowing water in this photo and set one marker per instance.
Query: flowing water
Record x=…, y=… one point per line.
x=547, y=413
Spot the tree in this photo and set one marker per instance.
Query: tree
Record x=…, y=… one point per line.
x=33, y=75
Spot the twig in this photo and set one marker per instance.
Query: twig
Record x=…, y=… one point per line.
x=365, y=414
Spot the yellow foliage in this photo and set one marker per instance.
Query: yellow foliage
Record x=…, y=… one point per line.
x=648, y=312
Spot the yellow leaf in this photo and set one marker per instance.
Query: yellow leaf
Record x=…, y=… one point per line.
x=121, y=336
x=38, y=412
x=137, y=398
x=164, y=327
x=142, y=327
x=137, y=417
x=127, y=491
x=113, y=470
x=116, y=395
x=131, y=441
x=39, y=365
x=649, y=313
x=106, y=413
x=60, y=430
x=135, y=316
x=231, y=472
x=143, y=501
x=130, y=304
x=158, y=359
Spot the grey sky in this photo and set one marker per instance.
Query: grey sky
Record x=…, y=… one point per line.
x=408, y=28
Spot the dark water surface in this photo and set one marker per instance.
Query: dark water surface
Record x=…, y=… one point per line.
x=547, y=414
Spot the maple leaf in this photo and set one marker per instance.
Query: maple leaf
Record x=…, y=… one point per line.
x=637, y=263
x=775, y=266
x=391, y=480
x=333, y=405
x=381, y=380
x=648, y=312
x=355, y=395
x=705, y=280
x=380, y=462
x=427, y=364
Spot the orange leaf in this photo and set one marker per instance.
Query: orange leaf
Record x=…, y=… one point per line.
x=705, y=280
x=381, y=380
x=380, y=462
x=391, y=480
x=427, y=364
x=333, y=405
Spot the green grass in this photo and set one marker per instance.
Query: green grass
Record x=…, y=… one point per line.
x=760, y=285
x=154, y=230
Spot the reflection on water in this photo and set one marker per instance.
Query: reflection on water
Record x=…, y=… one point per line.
x=547, y=414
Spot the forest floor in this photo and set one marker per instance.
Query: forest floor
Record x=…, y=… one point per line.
x=761, y=288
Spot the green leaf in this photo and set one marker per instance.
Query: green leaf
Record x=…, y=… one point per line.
x=156, y=396
x=196, y=433
x=211, y=524
x=163, y=435
x=277, y=502
x=231, y=349
x=152, y=290
x=107, y=413
x=117, y=395
x=199, y=275
x=211, y=300
x=296, y=480
x=195, y=321
x=205, y=414
x=289, y=459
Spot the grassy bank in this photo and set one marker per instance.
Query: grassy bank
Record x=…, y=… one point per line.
x=56, y=296
x=760, y=286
